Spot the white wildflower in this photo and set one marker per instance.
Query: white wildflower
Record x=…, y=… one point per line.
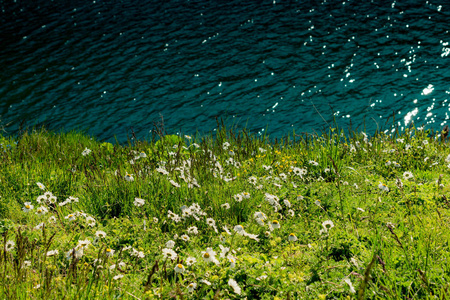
x=27, y=206
x=138, y=202
x=233, y=284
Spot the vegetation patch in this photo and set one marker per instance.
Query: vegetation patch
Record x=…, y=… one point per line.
x=230, y=216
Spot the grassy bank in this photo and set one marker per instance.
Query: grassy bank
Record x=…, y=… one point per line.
x=229, y=217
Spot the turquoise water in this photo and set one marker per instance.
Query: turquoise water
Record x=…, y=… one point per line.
x=116, y=67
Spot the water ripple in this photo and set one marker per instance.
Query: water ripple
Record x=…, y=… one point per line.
x=108, y=67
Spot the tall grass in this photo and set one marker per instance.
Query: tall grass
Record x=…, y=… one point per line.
x=321, y=217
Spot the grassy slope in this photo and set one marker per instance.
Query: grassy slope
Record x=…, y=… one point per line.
x=387, y=245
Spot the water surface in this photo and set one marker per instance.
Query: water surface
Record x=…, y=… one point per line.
x=109, y=67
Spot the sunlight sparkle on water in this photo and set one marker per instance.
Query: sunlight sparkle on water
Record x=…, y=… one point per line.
x=409, y=115
x=428, y=90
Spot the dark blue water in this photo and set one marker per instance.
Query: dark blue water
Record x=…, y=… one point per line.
x=110, y=67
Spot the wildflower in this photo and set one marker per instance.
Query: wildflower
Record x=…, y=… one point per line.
x=185, y=237
x=327, y=225
x=170, y=244
x=291, y=213
x=109, y=252
x=360, y=209
x=40, y=185
x=239, y=229
x=9, y=245
x=191, y=286
x=383, y=187
x=232, y=261
x=297, y=171
x=226, y=230
x=313, y=163
x=70, y=217
x=83, y=243
x=260, y=215
x=267, y=168
x=47, y=197
x=53, y=252
x=224, y=251
x=191, y=260
x=39, y=226
x=251, y=236
x=205, y=282
x=122, y=265
x=210, y=221
x=274, y=224
x=141, y=254
x=76, y=252
x=245, y=195
x=233, y=284
x=90, y=221
x=129, y=177
x=390, y=225
x=287, y=203
x=399, y=183
x=162, y=170
x=388, y=163
x=27, y=207
x=138, y=202
x=262, y=277
x=292, y=237
x=226, y=206
x=192, y=230
x=350, y=285
x=179, y=268
x=238, y=197
x=72, y=199
x=210, y=256
x=272, y=199
x=117, y=277
x=253, y=179
x=260, y=221
x=26, y=263
x=52, y=219
x=41, y=210
x=100, y=234
x=176, y=218
x=175, y=184
x=169, y=253
x=267, y=233
x=86, y=151
x=408, y=175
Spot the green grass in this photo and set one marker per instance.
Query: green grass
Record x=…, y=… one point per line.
x=385, y=239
